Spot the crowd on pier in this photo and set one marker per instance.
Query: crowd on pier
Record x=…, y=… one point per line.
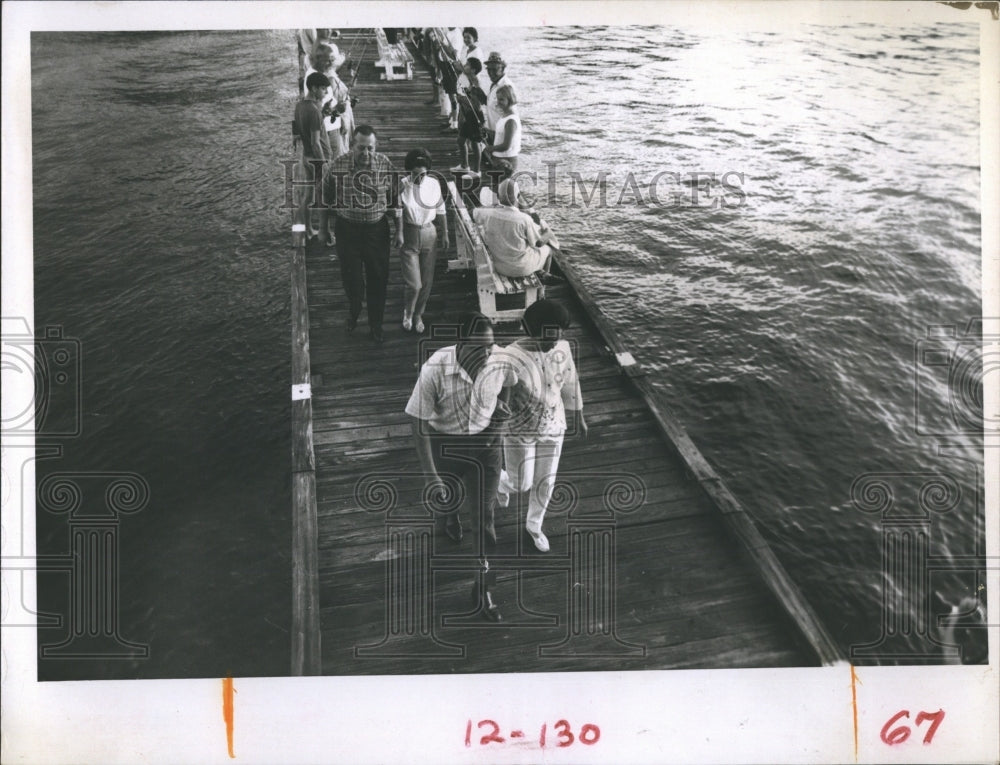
x=493, y=418
x=362, y=190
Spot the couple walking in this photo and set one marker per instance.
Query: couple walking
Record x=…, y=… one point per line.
x=468, y=395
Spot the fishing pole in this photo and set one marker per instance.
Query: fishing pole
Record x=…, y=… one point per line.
x=354, y=44
x=357, y=65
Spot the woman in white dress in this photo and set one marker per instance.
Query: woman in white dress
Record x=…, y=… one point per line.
x=542, y=391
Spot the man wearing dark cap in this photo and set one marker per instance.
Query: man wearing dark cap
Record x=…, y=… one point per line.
x=496, y=68
x=439, y=411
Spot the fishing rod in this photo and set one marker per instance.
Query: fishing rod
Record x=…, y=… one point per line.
x=354, y=44
x=357, y=64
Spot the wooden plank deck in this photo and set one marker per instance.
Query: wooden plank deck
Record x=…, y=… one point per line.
x=648, y=568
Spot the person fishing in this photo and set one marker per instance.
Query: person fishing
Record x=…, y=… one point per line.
x=307, y=127
x=496, y=69
x=518, y=246
x=471, y=100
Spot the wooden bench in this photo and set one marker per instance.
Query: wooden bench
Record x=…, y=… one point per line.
x=472, y=253
x=392, y=57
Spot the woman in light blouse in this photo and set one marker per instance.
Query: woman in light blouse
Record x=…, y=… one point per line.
x=424, y=226
x=544, y=399
x=507, y=141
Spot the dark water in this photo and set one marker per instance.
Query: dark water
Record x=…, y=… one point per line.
x=159, y=244
x=780, y=323
x=782, y=326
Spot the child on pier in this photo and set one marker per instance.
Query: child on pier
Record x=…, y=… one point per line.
x=471, y=100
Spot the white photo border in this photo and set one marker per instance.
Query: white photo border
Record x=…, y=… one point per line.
x=703, y=716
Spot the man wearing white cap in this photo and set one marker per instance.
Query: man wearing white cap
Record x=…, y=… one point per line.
x=517, y=245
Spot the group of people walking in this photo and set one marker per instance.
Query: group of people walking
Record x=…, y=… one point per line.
x=491, y=418
x=366, y=206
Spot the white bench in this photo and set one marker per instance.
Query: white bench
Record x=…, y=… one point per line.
x=392, y=57
x=472, y=253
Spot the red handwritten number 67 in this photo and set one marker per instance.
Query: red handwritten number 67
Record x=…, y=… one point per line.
x=900, y=733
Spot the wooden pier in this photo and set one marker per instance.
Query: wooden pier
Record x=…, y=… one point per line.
x=654, y=564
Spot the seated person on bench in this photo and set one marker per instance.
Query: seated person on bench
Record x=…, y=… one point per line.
x=515, y=242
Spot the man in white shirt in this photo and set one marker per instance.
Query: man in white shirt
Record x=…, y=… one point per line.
x=496, y=69
x=516, y=244
x=439, y=410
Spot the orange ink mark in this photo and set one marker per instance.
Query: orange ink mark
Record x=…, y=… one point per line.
x=854, y=705
x=227, y=712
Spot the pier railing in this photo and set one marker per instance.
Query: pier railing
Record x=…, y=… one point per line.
x=735, y=517
x=306, y=649
x=306, y=655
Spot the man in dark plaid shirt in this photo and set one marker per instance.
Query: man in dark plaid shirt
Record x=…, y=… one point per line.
x=361, y=187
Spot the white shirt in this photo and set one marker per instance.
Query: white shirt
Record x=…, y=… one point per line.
x=455, y=38
x=443, y=393
x=493, y=112
x=307, y=39
x=543, y=386
x=474, y=52
x=421, y=202
x=510, y=236
x=328, y=122
x=515, y=144
x=464, y=82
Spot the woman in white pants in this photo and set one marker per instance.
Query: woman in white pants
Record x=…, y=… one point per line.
x=421, y=207
x=542, y=386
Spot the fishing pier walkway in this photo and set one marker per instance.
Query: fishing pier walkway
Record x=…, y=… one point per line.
x=654, y=564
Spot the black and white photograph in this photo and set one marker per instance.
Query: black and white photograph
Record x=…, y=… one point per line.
x=553, y=353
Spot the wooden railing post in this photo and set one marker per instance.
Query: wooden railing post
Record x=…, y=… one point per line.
x=306, y=654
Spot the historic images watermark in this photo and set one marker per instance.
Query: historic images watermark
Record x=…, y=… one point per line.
x=42, y=413
x=48, y=369
x=588, y=504
x=951, y=366
x=556, y=187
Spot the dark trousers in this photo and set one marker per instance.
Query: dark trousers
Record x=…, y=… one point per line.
x=363, y=250
x=475, y=461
